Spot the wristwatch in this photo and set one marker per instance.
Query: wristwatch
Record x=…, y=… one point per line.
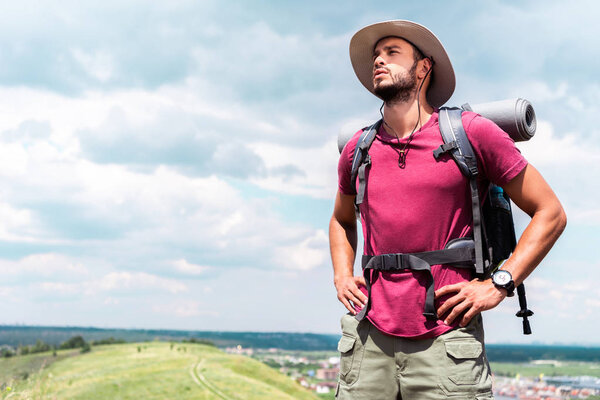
x=503, y=279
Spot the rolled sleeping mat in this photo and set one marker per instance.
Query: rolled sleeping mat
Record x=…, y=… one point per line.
x=348, y=130
x=515, y=116
x=344, y=137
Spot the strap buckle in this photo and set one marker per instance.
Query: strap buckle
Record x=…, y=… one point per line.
x=389, y=262
x=472, y=165
x=400, y=261
x=444, y=148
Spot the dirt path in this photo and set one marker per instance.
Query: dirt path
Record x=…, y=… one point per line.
x=203, y=382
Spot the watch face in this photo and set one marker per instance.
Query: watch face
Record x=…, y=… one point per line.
x=501, y=277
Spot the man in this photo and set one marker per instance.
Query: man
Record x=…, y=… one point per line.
x=415, y=203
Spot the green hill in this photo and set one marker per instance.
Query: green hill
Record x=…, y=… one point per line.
x=155, y=370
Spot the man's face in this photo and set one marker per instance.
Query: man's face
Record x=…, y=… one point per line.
x=394, y=70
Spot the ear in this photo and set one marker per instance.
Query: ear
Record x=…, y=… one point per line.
x=424, y=66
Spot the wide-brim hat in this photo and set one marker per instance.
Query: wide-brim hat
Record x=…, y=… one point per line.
x=363, y=42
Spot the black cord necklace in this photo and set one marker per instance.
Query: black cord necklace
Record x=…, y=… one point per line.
x=402, y=153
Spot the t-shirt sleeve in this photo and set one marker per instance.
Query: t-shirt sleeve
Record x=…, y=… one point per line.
x=345, y=184
x=497, y=155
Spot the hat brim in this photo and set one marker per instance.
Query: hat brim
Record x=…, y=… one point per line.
x=363, y=42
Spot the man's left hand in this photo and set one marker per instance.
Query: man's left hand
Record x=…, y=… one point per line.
x=471, y=298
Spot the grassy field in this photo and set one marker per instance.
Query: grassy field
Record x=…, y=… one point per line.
x=20, y=368
x=569, y=368
x=154, y=370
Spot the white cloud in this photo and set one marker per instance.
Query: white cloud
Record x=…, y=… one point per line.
x=113, y=282
x=539, y=283
x=13, y=221
x=230, y=222
x=188, y=268
x=553, y=294
x=184, y=309
x=540, y=91
x=39, y=266
x=592, y=303
x=306, y=255
x=569, y=163
x=318, y=166
x=134, y=281
x=58, y=288
x=150, y=207
x=99, y=64
x=546, y=147
x=111, y=301
x=7, y=292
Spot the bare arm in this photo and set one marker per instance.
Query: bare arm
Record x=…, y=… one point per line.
x=530, y=192
x=342, y=243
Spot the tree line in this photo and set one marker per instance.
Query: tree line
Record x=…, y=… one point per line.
x=75, y=342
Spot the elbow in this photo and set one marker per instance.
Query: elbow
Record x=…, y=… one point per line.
x=560, y=220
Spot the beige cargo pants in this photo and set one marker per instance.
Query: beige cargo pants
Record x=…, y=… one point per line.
x=375, y=366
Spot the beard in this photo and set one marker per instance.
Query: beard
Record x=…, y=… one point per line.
x=401, y=89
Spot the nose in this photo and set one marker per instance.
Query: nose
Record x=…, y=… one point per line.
x=378, y=62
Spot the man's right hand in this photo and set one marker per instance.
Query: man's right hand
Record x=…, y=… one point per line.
x=349, y=293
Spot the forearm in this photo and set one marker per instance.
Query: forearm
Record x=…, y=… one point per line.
x=342, y=244
x=538, y=238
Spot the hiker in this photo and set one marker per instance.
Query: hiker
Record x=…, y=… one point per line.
x=412, y=202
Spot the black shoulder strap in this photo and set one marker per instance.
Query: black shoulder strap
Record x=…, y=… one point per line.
x=361, y=158
x=457, y=144
x=456, y=141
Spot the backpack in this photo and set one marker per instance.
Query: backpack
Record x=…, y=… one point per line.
x=493, y=227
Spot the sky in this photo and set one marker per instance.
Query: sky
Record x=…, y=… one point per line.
x=173, y=164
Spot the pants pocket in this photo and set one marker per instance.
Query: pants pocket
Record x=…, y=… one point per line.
x=346, y=349
x=463, y=356
x=467, y=370
x=351, y=350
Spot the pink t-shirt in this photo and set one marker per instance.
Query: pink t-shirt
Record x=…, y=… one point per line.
x=421, y=208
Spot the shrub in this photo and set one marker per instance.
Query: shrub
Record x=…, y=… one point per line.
x=74, y=343
x=110, y=340
x=199, y=341
x=39, y=347
x=86, y=348
x=7, y=352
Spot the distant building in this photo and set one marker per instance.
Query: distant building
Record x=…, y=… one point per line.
x=328, y=374
x=239, y=350
x=325, y=387
x=322, y=389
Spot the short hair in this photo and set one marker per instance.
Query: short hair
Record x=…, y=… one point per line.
x=417, y=53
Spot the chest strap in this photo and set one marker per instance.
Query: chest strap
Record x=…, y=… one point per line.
x=460, y=256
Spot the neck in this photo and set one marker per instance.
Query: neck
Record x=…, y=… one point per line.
x=402, y=117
